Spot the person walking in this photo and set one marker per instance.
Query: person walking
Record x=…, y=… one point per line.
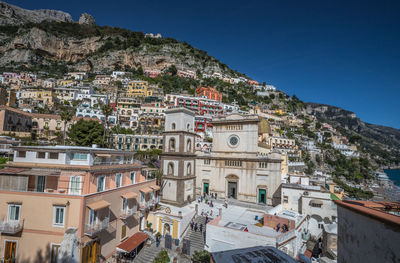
x=195, y=227
x=191, y=225
x=206, y=218
x=201, y=228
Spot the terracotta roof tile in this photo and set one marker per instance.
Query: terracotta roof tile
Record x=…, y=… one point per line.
x=373, y=209
x=133, y=242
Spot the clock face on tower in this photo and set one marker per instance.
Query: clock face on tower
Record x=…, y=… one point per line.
x=233, y=140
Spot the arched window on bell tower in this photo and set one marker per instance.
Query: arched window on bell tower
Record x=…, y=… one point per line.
x=189, y=169
x=172, y=145
x=189, y=145
x=170, y=170
x=173, y=126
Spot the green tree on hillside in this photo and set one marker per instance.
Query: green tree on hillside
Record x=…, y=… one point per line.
x=86, y=133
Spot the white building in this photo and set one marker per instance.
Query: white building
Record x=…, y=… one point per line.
x=234, y=169
x=313, y=201
x=241, y=227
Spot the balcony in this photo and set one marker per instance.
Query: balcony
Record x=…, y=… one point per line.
x=125, y=213
x=154, y=201
x=145, y=205
x=94, y=228
x=11, y=227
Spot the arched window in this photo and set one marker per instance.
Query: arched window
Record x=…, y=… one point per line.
x=188, y=126
x=189, y=169
x=173, y=126
x=189, y=145
x=170, y=170
x=172, y=145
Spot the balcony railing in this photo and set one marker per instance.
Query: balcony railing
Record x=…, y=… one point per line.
x=154, y=201
x=125, y=213
x=285, y=236
x=94, y=228
x=11, y=227
x=144, y=205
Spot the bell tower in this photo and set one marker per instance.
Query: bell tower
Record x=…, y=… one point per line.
x=178, y=157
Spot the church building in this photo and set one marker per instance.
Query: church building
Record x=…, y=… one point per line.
x=235, y=168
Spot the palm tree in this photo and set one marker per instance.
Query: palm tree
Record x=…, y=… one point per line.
x=66, y=116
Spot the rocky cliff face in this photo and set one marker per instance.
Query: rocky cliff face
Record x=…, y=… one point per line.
x=375, y=139
x=14, y=15
x=86, y=46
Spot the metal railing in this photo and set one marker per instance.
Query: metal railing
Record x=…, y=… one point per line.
x=11, y=227
x=93, y=228
x=125, y=213
x=285, y=236
x=144, y=205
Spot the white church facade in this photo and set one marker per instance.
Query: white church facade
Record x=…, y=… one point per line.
x=234, y=168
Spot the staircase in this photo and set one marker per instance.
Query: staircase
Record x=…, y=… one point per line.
x=148, y=254
x=197, y=239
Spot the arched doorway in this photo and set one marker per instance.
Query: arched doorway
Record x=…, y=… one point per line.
x=167, y=229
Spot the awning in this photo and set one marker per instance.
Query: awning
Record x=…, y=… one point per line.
x=129, y=195
x=11, y=170
x=104, y=155
x=155, y=187
x=133, y=242
x=316, y=202
x=41, y=172
x=98, y=205
x=146, y=190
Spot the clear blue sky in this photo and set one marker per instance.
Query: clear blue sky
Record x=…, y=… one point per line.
x=343, y=53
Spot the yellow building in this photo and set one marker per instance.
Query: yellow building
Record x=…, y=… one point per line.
x=171, y=220
x=66, y=82
x=41, y=95
x=138, y=88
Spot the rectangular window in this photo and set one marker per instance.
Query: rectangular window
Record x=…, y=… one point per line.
x=207, y=161
x=40, y=183
x=14, y=211
x=41, y=155
x=262, y=165
x=101, y=183
x=124, y=203
x=92, y=216
x=21, y=154
x=10, y=250
x=118, y=180
x=123, y=231
x=233, y=163
x=133, y=175
x=58, y=216
x=316, y=205
x=53, y=156
x=79, y=156
x=285, y=199
x=75, y=185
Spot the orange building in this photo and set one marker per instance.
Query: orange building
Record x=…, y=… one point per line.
x=209, y=92
x=77, y=203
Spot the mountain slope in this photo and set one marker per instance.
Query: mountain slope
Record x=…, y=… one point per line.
x=14, y=15
x=48, y=37
x=383, y=143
